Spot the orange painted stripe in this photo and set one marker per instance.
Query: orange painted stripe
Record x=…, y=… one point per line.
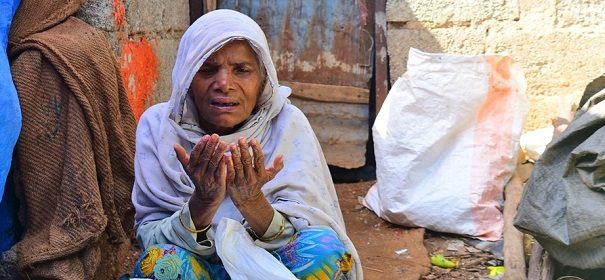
x=119, y=13
x=494, y=150
x=139, y=70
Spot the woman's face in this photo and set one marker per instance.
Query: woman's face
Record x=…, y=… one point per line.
x=226, y=88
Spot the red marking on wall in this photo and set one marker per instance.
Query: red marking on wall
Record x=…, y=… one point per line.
x=139, y=69
x=119, y=13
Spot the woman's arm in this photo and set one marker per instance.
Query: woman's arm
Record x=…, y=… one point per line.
x=246, y=175
x=171, y=231
x=206, y=168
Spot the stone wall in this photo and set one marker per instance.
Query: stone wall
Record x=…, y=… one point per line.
x=560, y=44
x=144, y=35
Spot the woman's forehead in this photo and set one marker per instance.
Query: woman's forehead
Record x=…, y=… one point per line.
x=235, y=46
x=238, y=50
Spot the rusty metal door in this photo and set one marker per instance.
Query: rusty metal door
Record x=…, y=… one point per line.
x=323, y=50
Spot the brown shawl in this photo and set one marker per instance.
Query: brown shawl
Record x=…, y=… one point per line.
x=76, y=148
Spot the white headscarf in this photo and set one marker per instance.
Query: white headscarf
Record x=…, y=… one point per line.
x=303, y=189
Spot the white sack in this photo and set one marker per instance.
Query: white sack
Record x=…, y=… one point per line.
x=533, y=143
x=446, y=143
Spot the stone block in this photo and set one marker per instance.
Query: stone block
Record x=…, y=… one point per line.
x=537, y=14
x=156, y=15
x=166, y=51
x=98, y=13
x=461, y=40
x=580, y=13
x=505, y=9
x=447, y=12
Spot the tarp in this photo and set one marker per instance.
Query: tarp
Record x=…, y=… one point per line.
x=562, y=204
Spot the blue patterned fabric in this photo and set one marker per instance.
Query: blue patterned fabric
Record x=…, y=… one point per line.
x=10, y=126
x=312, y=253
x=316, y=253
x=165, y=262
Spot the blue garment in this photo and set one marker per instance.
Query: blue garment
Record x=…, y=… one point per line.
x=10, y=230
x=316, y=253
x=10, y=125
x=167, y=262
x=312, y=253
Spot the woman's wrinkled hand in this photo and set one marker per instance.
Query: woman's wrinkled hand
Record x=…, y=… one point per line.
x=207, y=169
x=246, y=173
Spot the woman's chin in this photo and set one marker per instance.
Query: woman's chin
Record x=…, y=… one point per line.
x=223, y=127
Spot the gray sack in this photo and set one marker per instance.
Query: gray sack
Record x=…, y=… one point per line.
x=563, y=204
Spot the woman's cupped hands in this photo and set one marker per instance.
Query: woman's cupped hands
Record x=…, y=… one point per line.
x=241, y=174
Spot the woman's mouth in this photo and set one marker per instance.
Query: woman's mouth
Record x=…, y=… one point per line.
x=221, y=104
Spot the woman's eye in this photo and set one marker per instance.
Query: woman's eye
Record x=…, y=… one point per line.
x=242, y=70
x=207, y=70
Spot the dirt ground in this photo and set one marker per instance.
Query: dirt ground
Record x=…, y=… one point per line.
x=390, y=252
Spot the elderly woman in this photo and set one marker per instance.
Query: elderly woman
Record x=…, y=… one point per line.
x=228, y=148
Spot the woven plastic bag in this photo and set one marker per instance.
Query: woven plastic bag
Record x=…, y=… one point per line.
x=242, y=258
x=446, y=142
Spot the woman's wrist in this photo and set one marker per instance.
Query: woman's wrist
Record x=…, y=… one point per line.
x=271, y=234
x=258, y=214
x=186, y=224
x=201, y=213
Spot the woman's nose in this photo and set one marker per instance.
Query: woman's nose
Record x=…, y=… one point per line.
x=223, y=80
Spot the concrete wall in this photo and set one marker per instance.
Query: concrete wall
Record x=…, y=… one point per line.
x=144, y=35
x=560, y=44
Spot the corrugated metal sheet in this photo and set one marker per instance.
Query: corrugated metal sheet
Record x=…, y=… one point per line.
x=323, y=50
